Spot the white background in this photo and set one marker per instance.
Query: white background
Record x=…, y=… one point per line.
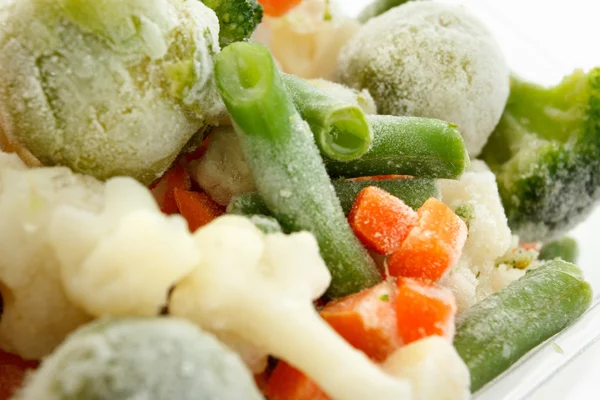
x=543, y=41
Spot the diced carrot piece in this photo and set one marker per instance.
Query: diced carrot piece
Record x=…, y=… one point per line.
x=367, y=320
x=530, y=246
x=197, y=208
x=198, y=153
x=261, y=380
x=276, y=8
x=433, y=246
x=12, y=373
x=424, y=309
x=380, y=178
x=287, y=383
x=380, y=220
x=163, y=189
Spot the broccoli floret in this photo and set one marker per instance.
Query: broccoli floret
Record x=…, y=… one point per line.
x=545, y=153
x=237, y=18
x=565, y=248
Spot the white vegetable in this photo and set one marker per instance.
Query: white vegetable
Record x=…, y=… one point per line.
x=37, y=313
x=124, y=259
x=222, y=171
x=361, y=98
x=304, y=42
x=430, y=59
x=261, y=288
x=434, y=369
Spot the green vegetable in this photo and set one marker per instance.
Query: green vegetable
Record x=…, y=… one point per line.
x=423, y=147
x=498, y=331
x=565, y=248
x=265, y=223
x=238, y=19
x=378, y=7
x=110, y=87
x=414, y=192
x=546, y=155
x=160, y=358
x=341, y=129
x=285, y=162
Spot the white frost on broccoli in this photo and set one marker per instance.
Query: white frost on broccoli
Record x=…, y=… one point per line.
x=222, y=171
x=489, y=235
x=433, y=367
x=124, y=258
x=260, y=288
x=37, y=312
x=304, y=42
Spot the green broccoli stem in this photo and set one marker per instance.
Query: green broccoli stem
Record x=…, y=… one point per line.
x=378, y=7
x=565, y=249
x=238, y=19
x=341, y=129
x=422, y=147
x=285, y=163
x=414, y=192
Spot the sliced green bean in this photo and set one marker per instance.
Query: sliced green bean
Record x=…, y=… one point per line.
x=414, y=192
x=341, y=129
x=565, y=248
x=286, y=165
x=423, y=147
x=498, y=331
x=266, y=223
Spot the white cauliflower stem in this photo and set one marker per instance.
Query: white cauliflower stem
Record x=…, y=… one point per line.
x=261, y=287
x=124, y=259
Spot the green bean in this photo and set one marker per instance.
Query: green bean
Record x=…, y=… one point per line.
x=285, y=163
x=341, y=129
x=266, y=223
x=414, y=192
x=423, y=147
x=565, y=248
x=498, y=331
x=378, y=7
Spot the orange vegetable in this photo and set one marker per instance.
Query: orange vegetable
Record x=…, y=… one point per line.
x=433, y=246
x=276, y=8
x=530, y=246
x=197, y=208
x=287, y=383
x=12, y=373
x=424, y=309
x=164, y=189
x=367, y=320
x=380, y=220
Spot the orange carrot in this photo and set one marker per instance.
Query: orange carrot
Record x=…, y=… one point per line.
x=164, y=188
x=287, y=383
x=530, y=246
x=197, y=208
x=276, y=8
x=380, y=220
x=433, y=246
x=12, y=373
x=424, y=309
x=367, y=320
x=198, y=153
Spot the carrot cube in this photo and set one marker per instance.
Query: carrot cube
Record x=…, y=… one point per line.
x=380, y=220
x=424, y=309
x=287, y=383
x=433, y=246
x=197, y=208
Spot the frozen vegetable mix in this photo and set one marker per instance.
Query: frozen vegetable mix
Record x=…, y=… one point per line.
x=107, y=88
x=149, y=358
x=434, y=60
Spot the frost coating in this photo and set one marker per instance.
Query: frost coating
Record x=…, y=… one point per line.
x=274, y=278
x=128, y=256
x=222, y=171
x=107, y=87
x=137, y=358
x=37, y=313
x=361, y=98
x=431, y=60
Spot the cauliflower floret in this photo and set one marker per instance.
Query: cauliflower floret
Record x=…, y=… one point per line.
x=107, y=87
x=475, y=198
x=306, y=43
x=126, y=257
x=430, y=59
x=222, y=172
x=433, y=367
x=37, y=313
x=260, y=288
x=141, y=358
